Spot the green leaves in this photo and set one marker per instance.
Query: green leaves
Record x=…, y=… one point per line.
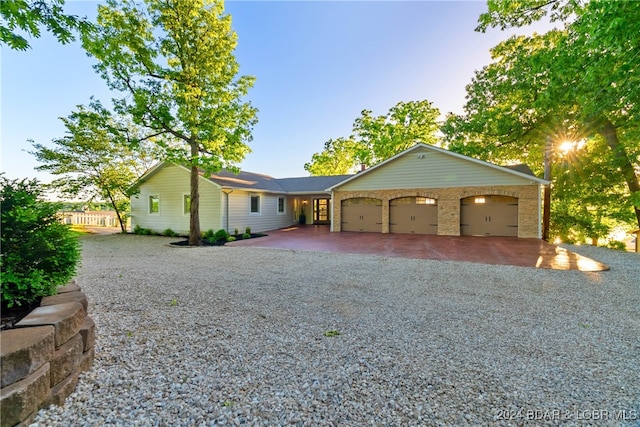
x=376, y=139
x=101, y=155
x=571, y=84
x=173, y=62
x=23, y=18
x=38, y=252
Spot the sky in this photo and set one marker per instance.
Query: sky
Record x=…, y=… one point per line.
x=317, y=65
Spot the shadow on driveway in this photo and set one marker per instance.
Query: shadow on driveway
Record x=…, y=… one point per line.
x=486, y=250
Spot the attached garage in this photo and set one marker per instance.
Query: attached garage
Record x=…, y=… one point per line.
x=362, y=214
x=416, y=215
x=430, y=190
x=489, y=215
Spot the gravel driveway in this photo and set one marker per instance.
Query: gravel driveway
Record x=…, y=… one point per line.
x=253, y=336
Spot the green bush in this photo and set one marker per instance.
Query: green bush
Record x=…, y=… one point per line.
x=221, y=235
x=209, y=236
x=617, y=245
x=142, y=231
x=235, y=232
x=231, y=239
x=246, y=236
x=169, y=233
x=38, y=252
x=247, y=230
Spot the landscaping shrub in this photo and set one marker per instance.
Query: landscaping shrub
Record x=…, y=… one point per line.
x=221, y=235
x=617, y=245
x=231, y=239
x=235, y=232
x=169, y=233
x=209, y=236
x=142, y=231
x=38, y=252
x=246, y=236
x=247, y=231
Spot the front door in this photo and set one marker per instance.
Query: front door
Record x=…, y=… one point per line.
x=321, y=211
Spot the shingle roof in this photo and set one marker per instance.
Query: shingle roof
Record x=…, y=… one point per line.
x=255, y=181
x=522, y=168
x=247, y=180
x=310, y=184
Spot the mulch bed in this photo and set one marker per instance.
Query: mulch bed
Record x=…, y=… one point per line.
x=11, y=316
x=204, y=242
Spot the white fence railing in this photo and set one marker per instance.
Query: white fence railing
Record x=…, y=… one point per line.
x=95, y=218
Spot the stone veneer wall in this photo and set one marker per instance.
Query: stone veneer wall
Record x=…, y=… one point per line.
x=43, y=356
x=449, y=205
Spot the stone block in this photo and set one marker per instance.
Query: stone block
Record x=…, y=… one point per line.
x=66, y=359
x=21, y=399
x=69, y=287
x=86, y=361
x=88, y=333
x=66, y=297
x=61, y=391
x=24, y=351
x=28, y=420
x=66, y=318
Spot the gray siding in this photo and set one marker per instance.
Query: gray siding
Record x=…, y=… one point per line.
x=171, y=184
x=241, y=217
x=424, y=168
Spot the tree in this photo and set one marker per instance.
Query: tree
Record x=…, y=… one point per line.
x=581, y=82
x=337, y=158
x=376, y=139
x=28, y=15
x=101, y=156
x=173, y=61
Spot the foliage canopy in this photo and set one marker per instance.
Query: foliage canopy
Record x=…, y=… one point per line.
x=173, y=62
x=579, y=83
x=101, y=156
x=23, y=18
x=375, y=139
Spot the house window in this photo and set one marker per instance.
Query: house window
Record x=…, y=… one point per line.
x=255, y=204
x=154, y=204
x=425, y=201
x=281, y=205
x=186, y=204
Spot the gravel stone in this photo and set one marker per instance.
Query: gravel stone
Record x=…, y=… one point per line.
x=247, y=337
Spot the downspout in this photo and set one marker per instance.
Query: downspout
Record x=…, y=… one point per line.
x=331, y=214
x=227, y=192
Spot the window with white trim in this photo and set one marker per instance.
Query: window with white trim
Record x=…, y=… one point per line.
x=255, y=203
x=186, y=204
x=154, y=204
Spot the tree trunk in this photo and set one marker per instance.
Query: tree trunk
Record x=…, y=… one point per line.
x=194, y=217
x=118, y=213
x=610, y=134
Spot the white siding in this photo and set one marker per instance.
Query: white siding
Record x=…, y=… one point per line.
x=424, y=168
x=171, y=183
x=241, y=217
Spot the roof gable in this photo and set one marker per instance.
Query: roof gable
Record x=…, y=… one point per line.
x=249, y=181
x=246, y=181
x=428, y=166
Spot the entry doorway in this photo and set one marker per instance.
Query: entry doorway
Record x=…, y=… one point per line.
x=321, y=211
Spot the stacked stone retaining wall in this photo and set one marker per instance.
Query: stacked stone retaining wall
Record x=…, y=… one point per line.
x=43, y=356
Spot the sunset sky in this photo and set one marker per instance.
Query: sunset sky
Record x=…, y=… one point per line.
x=317, y=64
